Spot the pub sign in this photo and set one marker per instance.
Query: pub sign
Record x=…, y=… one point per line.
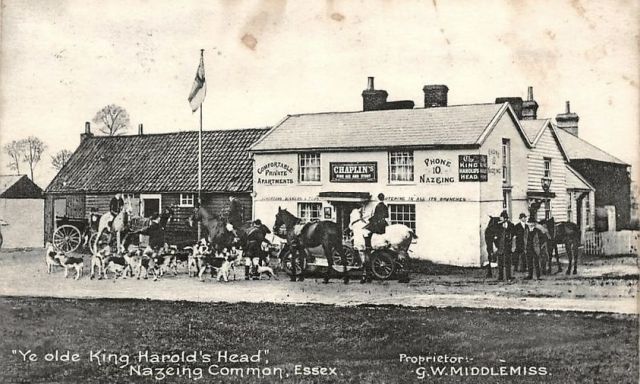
x=472, y=168
x=353, y=172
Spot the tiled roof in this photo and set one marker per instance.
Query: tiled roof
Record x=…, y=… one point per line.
x=160, y=163
x=453, y=125
x=576, y=148
x=533, y=128
x=19, y=187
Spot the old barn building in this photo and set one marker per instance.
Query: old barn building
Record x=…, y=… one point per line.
x=155, y=171
x=21, y=209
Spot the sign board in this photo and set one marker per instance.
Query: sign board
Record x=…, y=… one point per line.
x=472, y=168
x=355, y=172
x=274, y=173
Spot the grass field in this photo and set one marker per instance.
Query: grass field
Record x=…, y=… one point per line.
x=363, y=344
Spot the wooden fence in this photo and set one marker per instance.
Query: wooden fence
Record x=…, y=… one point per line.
x=611, y=243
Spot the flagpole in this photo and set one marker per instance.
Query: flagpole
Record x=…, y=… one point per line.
x=200, y=161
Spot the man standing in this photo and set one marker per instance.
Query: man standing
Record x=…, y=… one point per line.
x=155, y=233
x=520, y=231
x=505, y=240
x=533, y=247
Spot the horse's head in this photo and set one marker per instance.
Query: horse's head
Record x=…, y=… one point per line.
x=284, y=219
x=493, y=221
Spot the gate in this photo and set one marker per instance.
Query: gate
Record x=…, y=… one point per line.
x=611, y=243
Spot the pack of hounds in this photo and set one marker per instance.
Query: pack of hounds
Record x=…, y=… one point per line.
x=141, y=262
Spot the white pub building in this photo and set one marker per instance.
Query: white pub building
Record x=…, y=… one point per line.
x=443, y=169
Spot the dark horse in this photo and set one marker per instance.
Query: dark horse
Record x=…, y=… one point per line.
x=310, y=235
x=249, y=238
x=567, y=233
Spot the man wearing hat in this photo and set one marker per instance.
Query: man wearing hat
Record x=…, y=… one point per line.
x=520, y=232
x=378, y=221
x=505, y=240
x=533, y=247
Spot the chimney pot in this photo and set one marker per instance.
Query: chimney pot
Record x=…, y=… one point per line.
x=87, y=127
x=530, y=106
x=435, y=95
x=140, y=132
x=568, y=107
x=530, y=93
x=370, y=84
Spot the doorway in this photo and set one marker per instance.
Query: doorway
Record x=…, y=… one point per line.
x=150, y=204
x=343, y=214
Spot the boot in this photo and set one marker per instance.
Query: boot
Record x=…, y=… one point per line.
x=246, y=272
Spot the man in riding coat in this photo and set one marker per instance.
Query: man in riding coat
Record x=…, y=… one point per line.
x=378, y=221
x=115, y=206
x=155, y=233
x=505, y=242
x=234, y=217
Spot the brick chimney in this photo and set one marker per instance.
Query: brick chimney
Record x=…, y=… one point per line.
x=435, y=95
x=568, y=121
x=87, y=132
x=529, y=107
x=140, y=132
x=372, y=99
x=515, y=102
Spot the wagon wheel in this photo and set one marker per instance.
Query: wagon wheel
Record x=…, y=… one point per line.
x=67, y=238
x=348, y=252
x=287, y=263
x=383, y=264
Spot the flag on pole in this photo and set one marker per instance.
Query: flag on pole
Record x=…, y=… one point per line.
x=199, y=89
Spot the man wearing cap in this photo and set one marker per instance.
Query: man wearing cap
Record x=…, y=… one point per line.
x=115, y=207
x=533, y=247
x=520, y=233
x=505, y=240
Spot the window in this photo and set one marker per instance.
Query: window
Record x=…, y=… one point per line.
x=401, y=166
x=309, y=211
x=506, y=161
x=506, y=201
x=309, y=167
x=570, y=207
x=403, y=214
x=187, y=199
x=587, y=211
x=547, y=209
x=547, y=167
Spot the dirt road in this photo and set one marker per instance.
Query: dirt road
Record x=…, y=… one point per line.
x=602, y=286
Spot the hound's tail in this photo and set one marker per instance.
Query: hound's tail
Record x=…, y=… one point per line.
x=413, y=234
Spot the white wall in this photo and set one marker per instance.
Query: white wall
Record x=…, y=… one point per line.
x=26, y=224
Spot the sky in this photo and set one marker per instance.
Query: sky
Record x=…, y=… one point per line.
x=61, y=61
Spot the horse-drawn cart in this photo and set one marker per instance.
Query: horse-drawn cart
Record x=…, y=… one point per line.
x=71, y=233
x=384, y=262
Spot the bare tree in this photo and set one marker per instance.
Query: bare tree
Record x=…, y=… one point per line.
x=114, y=120
x=60, y=158
x=32, y=149
x=14, y=150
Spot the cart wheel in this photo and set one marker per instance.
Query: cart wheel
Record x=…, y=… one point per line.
x=348, y=252
x=67, y=238
x=104, y=239
x=383, y=264
x=287, y=262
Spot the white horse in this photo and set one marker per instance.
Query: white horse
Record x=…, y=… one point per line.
x=117, y=225
x=396, y=237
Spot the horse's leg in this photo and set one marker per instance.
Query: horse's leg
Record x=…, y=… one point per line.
x=569, y=251
x=302, y=254
x=326, y=250
x=489, y=255
x=294, y=255
x=343, y=259
x=575, y=250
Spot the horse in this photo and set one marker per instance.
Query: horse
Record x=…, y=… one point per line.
x=302, y=236
x=567, y=233
x=119, y=225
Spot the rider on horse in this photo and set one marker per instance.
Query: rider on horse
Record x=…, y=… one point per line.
x=377, y=222
x=115, y=207
x=234, y=216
